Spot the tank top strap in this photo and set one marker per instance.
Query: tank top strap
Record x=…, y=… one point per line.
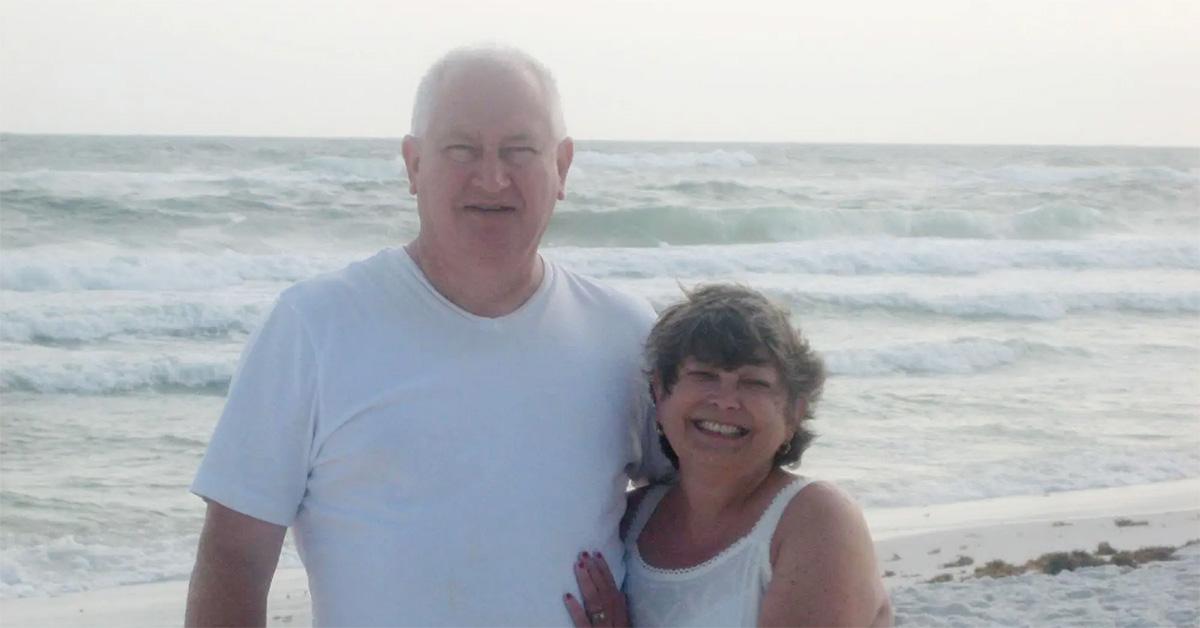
x=765, y=528
x=644, y=509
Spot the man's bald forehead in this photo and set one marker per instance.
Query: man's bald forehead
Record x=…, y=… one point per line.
x=482, y=65
x=483, y=72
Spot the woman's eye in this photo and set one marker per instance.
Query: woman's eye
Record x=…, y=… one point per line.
x=757, y=383
x=461, y=153
x=704, y=376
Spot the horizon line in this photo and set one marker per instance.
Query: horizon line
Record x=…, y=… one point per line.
x=626, y=141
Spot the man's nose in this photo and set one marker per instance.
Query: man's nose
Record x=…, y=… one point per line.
x=492, y=174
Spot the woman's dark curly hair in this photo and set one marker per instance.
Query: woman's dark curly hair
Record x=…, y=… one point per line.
x=729, y=326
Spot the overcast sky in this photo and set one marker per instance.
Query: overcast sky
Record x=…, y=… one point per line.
x=916, y=71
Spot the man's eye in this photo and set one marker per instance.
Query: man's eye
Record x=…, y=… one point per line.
x=518, y=154
x=461, y=153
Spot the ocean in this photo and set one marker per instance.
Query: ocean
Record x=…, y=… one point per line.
x=996, y=320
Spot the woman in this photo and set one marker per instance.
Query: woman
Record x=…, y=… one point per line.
x=736, y=539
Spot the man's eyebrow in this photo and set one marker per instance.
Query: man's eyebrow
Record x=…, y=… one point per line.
x=519, y=137
x=457, y=136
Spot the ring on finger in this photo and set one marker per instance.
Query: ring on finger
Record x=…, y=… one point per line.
x=597, y=616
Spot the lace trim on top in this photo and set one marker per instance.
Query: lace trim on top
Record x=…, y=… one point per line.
x=788, y=491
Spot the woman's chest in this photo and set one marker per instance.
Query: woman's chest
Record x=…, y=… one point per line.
x=669, y=542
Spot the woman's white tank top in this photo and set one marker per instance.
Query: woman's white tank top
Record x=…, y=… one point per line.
x=725, y=590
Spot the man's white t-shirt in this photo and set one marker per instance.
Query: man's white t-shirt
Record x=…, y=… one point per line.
x=438, y=468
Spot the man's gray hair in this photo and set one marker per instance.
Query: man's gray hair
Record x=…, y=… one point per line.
x=490, y=54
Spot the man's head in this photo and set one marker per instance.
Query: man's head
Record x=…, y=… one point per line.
x=427, y=91
x=488, y=155
x=729, y=326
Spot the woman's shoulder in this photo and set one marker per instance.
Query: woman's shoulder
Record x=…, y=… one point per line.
x=821, y=493
x=633, y=503
x=824, y=570
x=819, y=509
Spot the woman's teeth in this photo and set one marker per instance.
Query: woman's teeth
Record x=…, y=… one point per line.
x=721, y=428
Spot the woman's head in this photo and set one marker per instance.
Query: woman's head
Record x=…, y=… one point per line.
x=730, y=327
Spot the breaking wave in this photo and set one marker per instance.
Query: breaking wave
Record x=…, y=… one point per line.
x=683, y=225
x=961, y=356
x=54, y=269
x=99, y=373
x=675, y=160
x=92, y=323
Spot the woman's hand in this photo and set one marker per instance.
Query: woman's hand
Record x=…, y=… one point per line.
x=603, y=603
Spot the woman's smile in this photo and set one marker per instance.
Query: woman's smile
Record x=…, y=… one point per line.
x=718, y=429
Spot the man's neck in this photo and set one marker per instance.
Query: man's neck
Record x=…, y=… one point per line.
x=483, y=289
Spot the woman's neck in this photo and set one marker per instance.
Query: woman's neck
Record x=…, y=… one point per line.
x=710, y=500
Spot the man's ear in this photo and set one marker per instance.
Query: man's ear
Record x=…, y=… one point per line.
x=563, y=156
x=411, y=150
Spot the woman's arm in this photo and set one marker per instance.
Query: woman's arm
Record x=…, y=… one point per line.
x=824, y=571
x=632, y=500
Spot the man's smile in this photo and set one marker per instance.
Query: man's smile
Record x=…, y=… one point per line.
x=480, y=207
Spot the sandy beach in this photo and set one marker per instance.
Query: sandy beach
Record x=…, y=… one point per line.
x=915, y=545
x=948, y=542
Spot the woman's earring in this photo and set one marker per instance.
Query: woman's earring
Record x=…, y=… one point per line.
x=658, y=428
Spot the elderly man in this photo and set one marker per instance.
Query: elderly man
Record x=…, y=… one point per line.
x=443, y=426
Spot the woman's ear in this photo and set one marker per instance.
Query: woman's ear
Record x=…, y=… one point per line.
x=798, y=409
x=656, y=393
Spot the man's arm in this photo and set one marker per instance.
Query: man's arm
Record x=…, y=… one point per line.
x=234, y=566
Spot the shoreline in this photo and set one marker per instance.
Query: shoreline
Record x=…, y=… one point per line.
x=913, y=544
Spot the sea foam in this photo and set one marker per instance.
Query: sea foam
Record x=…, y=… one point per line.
x=55, y=270
x=99, y=372
x=925, y=256
x=959, y=356
x=66, y=323
x=668, y=160
x=54, y=565
x=106, y=371
x=683, y=223
x=1010, y=305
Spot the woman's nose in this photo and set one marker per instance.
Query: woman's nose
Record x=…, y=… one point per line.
x=725, y=395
